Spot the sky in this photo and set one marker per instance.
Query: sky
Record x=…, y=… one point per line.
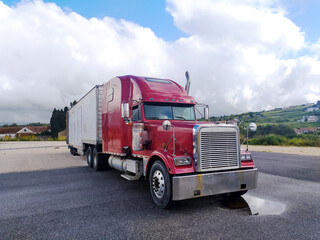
x=242, y=55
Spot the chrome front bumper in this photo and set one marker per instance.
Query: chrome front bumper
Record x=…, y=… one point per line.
x=206, y=184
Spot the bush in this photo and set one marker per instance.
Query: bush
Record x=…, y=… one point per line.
x=275, y=129
x=305, y=140
x=268, y=140
x=15, y=139
x=6, y=138
x=27, y=138
x=61, y=138
x=302, y=140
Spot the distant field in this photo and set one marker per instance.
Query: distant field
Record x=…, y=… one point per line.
x=291, y=124
x=308, y=151
x=288, y=116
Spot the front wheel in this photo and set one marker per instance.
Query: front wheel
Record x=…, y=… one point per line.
x=160, y=185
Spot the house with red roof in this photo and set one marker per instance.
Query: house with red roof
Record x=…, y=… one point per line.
x=22, y=131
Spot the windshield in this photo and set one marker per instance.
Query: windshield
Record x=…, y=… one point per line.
x=169, y=111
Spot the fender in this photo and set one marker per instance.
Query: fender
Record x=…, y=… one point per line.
x=167, y=159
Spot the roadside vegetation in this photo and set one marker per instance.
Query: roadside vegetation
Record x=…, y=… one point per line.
x=54, y=132
x=277, y=126
x=281, y=135
x=289, y=116
x=30, y=138
x=299, y=141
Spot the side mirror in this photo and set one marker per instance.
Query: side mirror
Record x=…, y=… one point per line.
x=206, y=113
x=253, y=127
x=125, y=110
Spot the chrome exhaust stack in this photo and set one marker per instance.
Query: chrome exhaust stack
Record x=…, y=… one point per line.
x=187, y=87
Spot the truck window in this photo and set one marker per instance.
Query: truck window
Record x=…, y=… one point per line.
x=157, y=80
x=136, y=114
x=110, y=94
x=169, y=111
x=183, y=113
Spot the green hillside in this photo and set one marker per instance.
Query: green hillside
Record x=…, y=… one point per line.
x=288, y=116
x=277, y=126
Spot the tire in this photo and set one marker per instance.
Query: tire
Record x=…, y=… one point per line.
x=160, y=185
x=98, y=163
x=72, y=151
x=89, y=157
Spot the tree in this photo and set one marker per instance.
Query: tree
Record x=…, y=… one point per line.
x=58, y=121
x=251, y=115
x=73, y=103
x=276, y=129
x=35, y=124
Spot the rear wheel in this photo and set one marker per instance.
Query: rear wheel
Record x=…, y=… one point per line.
x=89, y=157
x=160, y=185
x=98, y=163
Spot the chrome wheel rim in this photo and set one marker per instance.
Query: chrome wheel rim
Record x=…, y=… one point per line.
x=158, y=184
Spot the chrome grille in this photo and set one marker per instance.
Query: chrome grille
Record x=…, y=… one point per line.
x=218, y=149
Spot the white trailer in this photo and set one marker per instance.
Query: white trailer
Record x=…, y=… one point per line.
x=84, y=122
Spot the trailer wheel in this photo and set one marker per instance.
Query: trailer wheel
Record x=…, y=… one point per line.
x=98, y=163
x=160, y=185
x=72, y=151
x=89, y=157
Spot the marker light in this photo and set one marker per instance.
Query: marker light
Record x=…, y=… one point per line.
x=246, y=157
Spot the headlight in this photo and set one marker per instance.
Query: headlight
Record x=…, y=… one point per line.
x=182, y=160
x=246, y=157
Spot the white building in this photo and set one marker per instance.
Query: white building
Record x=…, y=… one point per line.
x=311, y=109
x=313, y=119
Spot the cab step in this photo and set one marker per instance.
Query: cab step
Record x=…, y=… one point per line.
x=130, y=177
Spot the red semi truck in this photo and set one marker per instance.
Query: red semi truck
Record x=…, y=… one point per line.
x=147, y=127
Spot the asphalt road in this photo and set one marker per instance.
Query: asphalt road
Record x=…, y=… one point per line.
x=78, y=203
x=289, y=165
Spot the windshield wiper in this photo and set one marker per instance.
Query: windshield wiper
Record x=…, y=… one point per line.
x=154, y=118
x=180, y=117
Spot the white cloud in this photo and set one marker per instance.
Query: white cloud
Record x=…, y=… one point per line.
x=51, y=58
x=237, y=49
x=237, y=22
x=235, y=55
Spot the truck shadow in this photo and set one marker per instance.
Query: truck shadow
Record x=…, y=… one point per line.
x=219, y=202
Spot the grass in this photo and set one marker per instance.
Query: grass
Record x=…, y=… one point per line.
x=285, y=115
x=309, y=140
x=29, y=138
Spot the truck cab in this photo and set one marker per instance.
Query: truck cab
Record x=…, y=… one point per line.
x=189, y=159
